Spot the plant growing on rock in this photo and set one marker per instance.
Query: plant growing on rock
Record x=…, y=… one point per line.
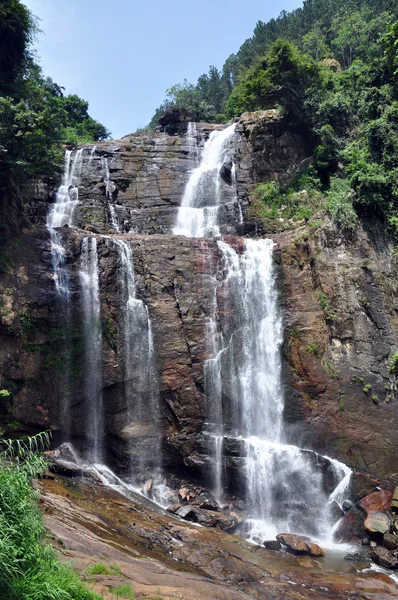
x=393, y=364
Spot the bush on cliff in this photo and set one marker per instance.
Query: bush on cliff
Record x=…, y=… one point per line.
x=29, y=569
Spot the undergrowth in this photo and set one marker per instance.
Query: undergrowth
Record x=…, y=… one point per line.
x=29, y=568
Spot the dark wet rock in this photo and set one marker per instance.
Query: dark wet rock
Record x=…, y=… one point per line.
x=390, y=541
x=377, y=501
x=351, y=525
x=347, y=504
x=297, y=545
x=377, y=522
x=186, y=512
x=226, y=172
x=272, y=545
x=206, y=501
x=384, y=558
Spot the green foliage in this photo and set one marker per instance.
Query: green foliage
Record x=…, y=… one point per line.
x=298, y=202
x=99, y=569
x=35, y=116
x=393, y=364
x=4, y=394
x=367, y=388
x=123, y=591
x=339, y=204
x=312, y=349
x=341, y=403
x=29, y=569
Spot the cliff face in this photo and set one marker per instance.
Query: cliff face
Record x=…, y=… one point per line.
x=339, y=298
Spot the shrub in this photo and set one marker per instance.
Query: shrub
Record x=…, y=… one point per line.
x=339, y=204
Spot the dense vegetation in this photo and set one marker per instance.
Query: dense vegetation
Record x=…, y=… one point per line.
x=35, y=115
x=331, y=67
x=29, y=569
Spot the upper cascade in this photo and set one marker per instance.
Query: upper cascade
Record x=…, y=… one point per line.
x=198, y=213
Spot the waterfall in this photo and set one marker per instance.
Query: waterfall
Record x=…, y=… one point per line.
x=61, y=213
x=198, y=213
x=141, y=385
x=110, y=187
x=288, y=489
x=89, y=277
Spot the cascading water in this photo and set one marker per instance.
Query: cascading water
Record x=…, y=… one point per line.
x=61, y=213
x=286, y=486
x=198, y=213
x=141, y=386
x=110, y=187
x=192, y=142
x=89, y=277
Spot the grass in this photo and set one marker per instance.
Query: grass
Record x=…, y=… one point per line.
x=367, y=388
x=99, y=569
x=29, y=568
x=312, y=349
x=123, y=591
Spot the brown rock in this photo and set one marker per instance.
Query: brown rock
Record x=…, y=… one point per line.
x=298, y=545
x=384, y=558
x=377, y=522
x=173, y=508
x=394, y=502
x=378, y=501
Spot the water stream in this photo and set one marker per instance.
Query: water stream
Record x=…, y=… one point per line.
x=288, y=489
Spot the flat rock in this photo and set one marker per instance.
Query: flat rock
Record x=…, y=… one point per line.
x=377, y=522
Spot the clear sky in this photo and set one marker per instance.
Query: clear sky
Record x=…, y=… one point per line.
x=121, y=55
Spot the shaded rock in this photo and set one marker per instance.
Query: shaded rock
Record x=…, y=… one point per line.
x=377, y=522
x=186, y=512
x=390, y=541
x=384, y=558
x=272, y=545
x=351, y=525
x=206, y=501
x=347, y=504
x=378, y=501
x=297, y=545
x=226, y=172
x=211, y=518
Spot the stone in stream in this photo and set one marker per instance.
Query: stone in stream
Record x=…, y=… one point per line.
x=272, y=545
x=384, y=558
x=351, y=525
x=297, y=545
x=173, y=508
x=378, y=501
x=377, y=522
x=148, y=487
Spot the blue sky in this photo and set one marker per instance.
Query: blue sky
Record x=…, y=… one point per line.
x=121, y=55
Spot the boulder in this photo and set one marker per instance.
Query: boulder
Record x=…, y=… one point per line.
x=390, y=541
x=378, y=501
x=148, y=487
x=297, y=545
x=351, y=525
x=377, y=522
x=206, y=501
x=211, y=518
x=187, y=512
x=272, y=545
x=381, y=556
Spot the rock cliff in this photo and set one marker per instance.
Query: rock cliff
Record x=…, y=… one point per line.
x=339, y=297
